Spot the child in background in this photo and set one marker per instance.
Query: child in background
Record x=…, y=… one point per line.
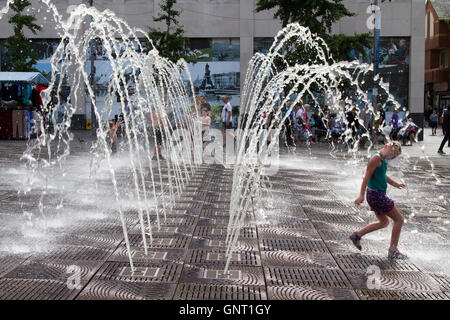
x=205, y=121
x=376, y=181
x=113, y=134
x=434, y=122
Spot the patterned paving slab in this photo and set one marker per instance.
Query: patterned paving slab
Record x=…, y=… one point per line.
x=143, y=272
x=154, y=255
x=192, y=291
x=309, y=293
x=216, y=257
x=173, y=241
x=322, y=278
x=296, y=248
x=293, y=245
x=237, y=275
x=400, y=295
x=54, y=270
x=350, y=262
x=126, y=290
x=243, y=244
x=8, y=263
x=283, y=258
x=30, y=289
x=221, y=232
x=284, y=233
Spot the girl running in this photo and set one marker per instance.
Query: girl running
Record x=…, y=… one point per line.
x=376, y=182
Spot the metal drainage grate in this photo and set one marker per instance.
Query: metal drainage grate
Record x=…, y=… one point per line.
x=324, y=278
x=99, y=228
x=154, y=255
x=395, y=280
x=339, y=227
x=343, y=210
x=276, y=220
x=309, y=293
x=297, y=259
x=54, y=269
x=188, y=205
x=221, y=232
x=113, y=290
x=399, y=295
x=184, y=220
x=299, y=225
x=27, y=289
x=215, y=275
x=9, y=263
x=168, y=272
x=216, y=221
x=329, y=217
x=293, y=245
x=77, y=253
x=283, y=233
x=442, y=280
x=212, y=213
x=362, y=262
x=334, y=235
x=241, y=245
x=175, y=241
x=192, y=291
x=205, y=257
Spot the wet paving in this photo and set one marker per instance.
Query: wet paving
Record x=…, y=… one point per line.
x=294, y=244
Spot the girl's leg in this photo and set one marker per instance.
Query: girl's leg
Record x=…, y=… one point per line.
x=382, y=223
x=398, y=219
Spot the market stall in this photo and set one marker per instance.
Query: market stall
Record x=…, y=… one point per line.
x=19, y=101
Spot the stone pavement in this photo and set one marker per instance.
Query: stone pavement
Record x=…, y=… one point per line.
x=294, y=246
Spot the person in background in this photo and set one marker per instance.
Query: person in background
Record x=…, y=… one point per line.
x=446, y=129
x=366, y=116
x=319, y=130
x=379, y=120
x=288, y=124
x=205, y=120
x=113, y=134
x=226, y=117
x=306, y=123
x=298, y=119
x=395, y=123
x=408, y=132
x=433, y=121
x=353, y=124
x=156, y=120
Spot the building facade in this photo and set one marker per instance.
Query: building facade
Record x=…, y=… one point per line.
x=224, y=34
x=437, y=51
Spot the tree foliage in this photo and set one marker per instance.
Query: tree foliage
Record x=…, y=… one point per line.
x=318, y=16
x=169, y=42
x=22, y=56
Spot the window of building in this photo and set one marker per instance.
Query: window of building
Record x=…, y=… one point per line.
x=444, y=59
x=431, y=25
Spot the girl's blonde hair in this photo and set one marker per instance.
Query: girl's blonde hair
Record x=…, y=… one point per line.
x=396, y=146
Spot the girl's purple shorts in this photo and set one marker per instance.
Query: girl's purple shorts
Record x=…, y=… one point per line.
x=379, y=201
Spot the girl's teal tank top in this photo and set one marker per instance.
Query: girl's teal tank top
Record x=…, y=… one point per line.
x=378, y=180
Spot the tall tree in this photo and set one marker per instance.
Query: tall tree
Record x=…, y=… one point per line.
x=22, y=55
x=319, y=16
x=169, y=42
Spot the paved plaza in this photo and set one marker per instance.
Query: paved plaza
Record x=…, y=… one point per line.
x=293, y=246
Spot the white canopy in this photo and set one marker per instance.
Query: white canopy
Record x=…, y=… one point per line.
x=30, y=77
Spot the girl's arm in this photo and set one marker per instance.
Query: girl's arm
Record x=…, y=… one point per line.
x=373, y=164
x=395, y=184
